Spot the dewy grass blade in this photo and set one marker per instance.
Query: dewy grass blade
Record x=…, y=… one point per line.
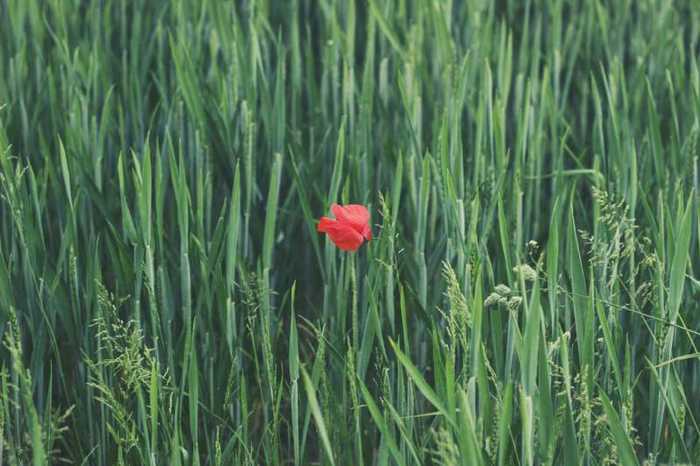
x=380, y=421
x=271, y=212
x=680, y=260
x=422, y=385
x=317, y=415
x=626, y=452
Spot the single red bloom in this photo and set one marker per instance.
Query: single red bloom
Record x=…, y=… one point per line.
x=349, y=229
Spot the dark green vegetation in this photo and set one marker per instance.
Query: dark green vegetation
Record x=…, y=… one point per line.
x=531, y=295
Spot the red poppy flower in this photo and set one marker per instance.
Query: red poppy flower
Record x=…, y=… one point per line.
x=349, y=229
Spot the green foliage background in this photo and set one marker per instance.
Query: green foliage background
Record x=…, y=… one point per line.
x=531, y=294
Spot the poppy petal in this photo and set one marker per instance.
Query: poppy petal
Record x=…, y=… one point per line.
x=367, y=232
x=355, y=215
x=352, y=213
x=342, y=235
x=324, y=224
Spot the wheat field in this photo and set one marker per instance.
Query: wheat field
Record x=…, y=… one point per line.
x=530, y=294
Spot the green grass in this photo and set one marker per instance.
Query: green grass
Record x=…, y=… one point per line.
x=532, y=294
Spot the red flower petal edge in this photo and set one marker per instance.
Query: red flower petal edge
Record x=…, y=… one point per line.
x=349, y=229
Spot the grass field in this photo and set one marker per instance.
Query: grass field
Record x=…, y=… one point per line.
x=531, y=295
